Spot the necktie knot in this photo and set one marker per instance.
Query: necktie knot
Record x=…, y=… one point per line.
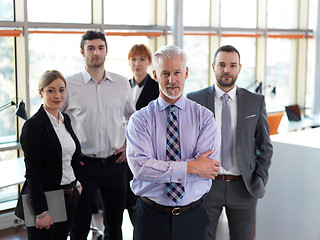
x=225, y=97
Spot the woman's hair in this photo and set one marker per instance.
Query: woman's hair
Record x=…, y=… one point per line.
x=48, y=77
x=140, y=49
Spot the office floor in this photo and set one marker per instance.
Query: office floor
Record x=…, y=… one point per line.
x=19, y=233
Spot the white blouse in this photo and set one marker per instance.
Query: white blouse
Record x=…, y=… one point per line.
x=68, y=148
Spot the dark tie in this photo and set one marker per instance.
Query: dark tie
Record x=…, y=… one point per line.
x=226, y=134
x=174, y=190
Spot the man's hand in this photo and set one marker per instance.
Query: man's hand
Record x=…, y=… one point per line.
x=204, y=166
x=123, y=157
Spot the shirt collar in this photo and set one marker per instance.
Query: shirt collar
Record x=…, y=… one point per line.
x=181, y=103
x=53, y=120
x=141, y=84
x=220, y=92
x=87, y=77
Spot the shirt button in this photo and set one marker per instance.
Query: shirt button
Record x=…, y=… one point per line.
x=179, y=179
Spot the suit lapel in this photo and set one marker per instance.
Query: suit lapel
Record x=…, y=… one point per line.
x=210, y=98
x=143, y=94
x=240, y=110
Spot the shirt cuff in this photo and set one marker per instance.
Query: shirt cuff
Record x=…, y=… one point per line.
x=179, y=172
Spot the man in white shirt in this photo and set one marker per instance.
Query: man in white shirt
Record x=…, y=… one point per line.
x=98, y=103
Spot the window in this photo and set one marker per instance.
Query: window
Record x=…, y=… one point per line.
x=311, y=66
x=197, y=61
x=118, y=49
x=246, y=48
x=283, y=14
x=238, y=14
x=52, y=51
x=6, y=10
x=129, y=12
x=196, y=14
x=70, y=11
x=7, y=90
x=313, y=4
x=281, y=67
x=8, y=197
x=193, y=14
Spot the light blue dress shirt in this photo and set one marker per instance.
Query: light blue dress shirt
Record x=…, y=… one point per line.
x=146, y=150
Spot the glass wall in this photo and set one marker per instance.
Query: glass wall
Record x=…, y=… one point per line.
x=7, y=90
x=247, y=50
x=129, y=12
x=118, y=49
x=283, y=14
x=60, y=11
x=197, y=62
x=281, y=70
x=311, y=59
x=208, y=25
x=6, y=10
x=233, y=16
x=52, y=51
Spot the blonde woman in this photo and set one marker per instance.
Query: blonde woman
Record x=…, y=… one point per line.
x=52, y=156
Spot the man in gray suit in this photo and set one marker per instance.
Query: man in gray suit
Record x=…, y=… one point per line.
x=243, y=175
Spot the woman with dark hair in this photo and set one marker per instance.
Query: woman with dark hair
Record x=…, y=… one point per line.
x=52, y=157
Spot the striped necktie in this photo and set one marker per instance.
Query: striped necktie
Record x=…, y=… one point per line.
x=174, y=190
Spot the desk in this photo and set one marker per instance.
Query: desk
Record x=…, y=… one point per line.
x=291, y=206
x=305, y=122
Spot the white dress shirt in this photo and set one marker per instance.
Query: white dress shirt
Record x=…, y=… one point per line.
x=136, y=93
x=68, y=147
x=98, y=111
x=233, y=109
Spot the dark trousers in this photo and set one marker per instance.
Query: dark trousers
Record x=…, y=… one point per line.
x=110, y=178
x=131, y=198
x=57, y=231
x=151, y=224
x=240, y=208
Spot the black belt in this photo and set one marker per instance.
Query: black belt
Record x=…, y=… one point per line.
x=171, y=210
x=68, y=188
x=104, y=159
x=228, y=177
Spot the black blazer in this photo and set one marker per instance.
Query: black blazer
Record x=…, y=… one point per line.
x=149, y=92
x=43, y=159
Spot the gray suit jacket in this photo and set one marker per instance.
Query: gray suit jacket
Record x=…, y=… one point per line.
x=253, y=145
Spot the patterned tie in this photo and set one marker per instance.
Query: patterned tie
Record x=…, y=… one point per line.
x=226, y=134
x=174, y=190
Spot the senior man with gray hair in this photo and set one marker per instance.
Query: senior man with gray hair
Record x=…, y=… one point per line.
x=171, y=147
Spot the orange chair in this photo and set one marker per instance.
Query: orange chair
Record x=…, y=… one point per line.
x=274, y=120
